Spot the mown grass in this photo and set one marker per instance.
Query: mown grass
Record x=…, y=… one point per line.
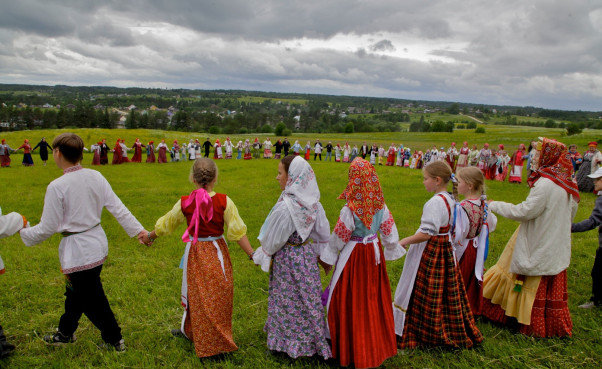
x=143, y=284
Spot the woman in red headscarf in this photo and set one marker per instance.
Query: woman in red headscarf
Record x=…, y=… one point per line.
x=217, y=154
x=516, y=163
x=529, y=281
x=27, y=160
x=207, y=280
x=117, y=156
x=150, y=152
x=463, y=156
x=137, y=158
x=359, y=302
x=5, y=151
x=162, y=147
x=96, y=150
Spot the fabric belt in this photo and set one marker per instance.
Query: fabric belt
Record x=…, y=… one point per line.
x=67, y=234
x=373, y=238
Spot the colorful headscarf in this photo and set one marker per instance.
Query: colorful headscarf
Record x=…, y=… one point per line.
x=203, y=209
x=301, y=196
x=555, y=164
x=363, y=193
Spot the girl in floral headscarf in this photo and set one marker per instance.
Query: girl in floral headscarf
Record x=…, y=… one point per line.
x=360, y=318
x=529, y=281
x=292, y=237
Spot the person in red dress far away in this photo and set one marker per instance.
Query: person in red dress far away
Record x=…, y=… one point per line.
x=162, y=148
x=431, y=279
x=516, y=164
x=137, y=146
x=150, y=152
x=528, y=284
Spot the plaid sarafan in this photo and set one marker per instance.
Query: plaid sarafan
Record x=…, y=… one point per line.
x=439, y=313
x=363, y=193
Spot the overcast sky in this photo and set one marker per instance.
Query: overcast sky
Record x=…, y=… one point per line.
x=539, y=53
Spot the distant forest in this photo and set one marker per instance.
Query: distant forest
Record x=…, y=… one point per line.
x=236, y=111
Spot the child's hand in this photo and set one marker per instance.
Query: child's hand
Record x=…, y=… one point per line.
x=404, y=243
x=144, y=239
x=327, y=267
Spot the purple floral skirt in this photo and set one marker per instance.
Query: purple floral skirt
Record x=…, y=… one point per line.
x=296, y=324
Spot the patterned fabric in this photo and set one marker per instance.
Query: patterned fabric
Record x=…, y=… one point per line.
x=301, y=196
x=208, y=321
x=439, y=313
x=473, y=287
x=555, y=164
x=295, y=323
x=363, y=193
x=550, y=316
x=475, y=215
x=342, y=231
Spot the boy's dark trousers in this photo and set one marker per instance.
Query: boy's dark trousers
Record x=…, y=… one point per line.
x=597, y=278
x=85, y=295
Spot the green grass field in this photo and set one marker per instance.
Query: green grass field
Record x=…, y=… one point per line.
x=143, y=284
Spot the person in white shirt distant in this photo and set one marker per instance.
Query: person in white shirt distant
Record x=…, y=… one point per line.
x=73, y=206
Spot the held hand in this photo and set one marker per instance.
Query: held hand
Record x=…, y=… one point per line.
x=404, y=243
x=144, y=239
x=327, y=267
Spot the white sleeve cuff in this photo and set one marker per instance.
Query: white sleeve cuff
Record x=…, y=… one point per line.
x=329, y=255
x=262, y=259
x=395, y=252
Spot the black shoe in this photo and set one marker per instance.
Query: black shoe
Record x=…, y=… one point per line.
x=59, y=339
x=6, y=349
x=119, y=346
x=176, y=332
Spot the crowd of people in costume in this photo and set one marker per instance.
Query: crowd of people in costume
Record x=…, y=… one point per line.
x=442, y=287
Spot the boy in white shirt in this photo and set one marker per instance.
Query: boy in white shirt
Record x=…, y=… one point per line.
x=73, y=206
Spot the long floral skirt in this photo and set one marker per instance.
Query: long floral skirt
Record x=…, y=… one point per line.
x=295, y=323
x=208, y=321
x=439, y=313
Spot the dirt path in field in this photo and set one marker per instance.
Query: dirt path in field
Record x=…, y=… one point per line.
x=473, y=118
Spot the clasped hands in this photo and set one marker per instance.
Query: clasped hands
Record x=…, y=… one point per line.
x=143, y=238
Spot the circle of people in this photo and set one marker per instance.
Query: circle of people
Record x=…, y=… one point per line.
x=441, y=289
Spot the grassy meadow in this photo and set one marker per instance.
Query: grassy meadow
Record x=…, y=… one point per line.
x=143, y=284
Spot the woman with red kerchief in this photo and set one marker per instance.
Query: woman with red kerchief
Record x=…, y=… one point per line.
x=27, y=160
x=517, y=163
x=529, y=282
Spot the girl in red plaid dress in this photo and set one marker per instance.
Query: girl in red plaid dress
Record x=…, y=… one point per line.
x=430, y=307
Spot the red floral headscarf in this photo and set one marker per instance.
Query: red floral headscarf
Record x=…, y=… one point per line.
x=363, y=193
x=555, y=164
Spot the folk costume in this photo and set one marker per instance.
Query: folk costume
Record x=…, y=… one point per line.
x=228, y=147
x=452, y=154
x=296, y=148
x=463, y=156
x=5, y=151
x=104, y=152
x=483, y=159
x=346, y=152
x=44, y=146
x=137, y=146
x=162, y=148
x=307, y=151
x=124, y=152
x=381, y=154
x=517, y=161
x=150, y=152
x=360, y=319
x=191, y=150
x=318, y=150
x=73, y=207
x=373, y=154
x=406, y=157
x=267, y=148
x=591, y=162
x=247, y=148
x=354, y=153
x=96, y=150
x=292, y=237
x=470, y=235
x=337, y=153
x=473, y=157
x=278, y=149
x=217, y=154
x=207, y=281
x=431, y=280
x=400, y=155
x=27, y=160
x=117, y=153
x=256, y=148
x=529, y=281
x=239, y=149
x=391, y=155
x=501, y=171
